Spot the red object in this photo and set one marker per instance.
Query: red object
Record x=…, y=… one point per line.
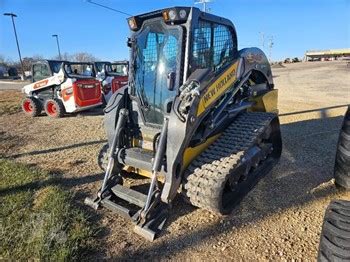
x=87, y=92
x=51, y=108
x=118, y=82
x=27, y=106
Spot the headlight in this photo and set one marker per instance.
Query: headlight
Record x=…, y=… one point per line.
x=175, y=15
x=182, y=14
x=172, y=14
x=132, y=23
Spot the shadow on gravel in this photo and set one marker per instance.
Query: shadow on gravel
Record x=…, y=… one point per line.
x=306, y=163
x=323, y=111
x=9, y=143
x=55, y=178
x=51, y=150
x=97, y=111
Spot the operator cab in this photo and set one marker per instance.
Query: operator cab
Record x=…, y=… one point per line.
x=159, y=62
x=45, y=69
x=168, y=47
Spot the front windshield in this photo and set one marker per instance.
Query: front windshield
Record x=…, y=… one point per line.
x=157, y=50
x=117, y=69
x=79, y=70
x=120, y=69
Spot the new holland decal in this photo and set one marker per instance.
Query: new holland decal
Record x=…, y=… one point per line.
x=218, y=87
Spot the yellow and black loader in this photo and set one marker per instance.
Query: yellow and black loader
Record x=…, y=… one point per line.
x=198, y=117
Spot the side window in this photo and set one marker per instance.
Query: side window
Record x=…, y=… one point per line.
x=40, y=72
x=213, y=46
x=201, y=52
x=223, y=46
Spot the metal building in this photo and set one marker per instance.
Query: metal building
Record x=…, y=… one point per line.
x=327, y=55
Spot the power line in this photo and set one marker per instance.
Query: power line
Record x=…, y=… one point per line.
x=109, y=8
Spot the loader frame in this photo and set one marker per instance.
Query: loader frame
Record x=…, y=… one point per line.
x=204, y=101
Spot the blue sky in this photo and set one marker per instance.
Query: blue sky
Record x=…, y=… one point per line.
x=296, y=25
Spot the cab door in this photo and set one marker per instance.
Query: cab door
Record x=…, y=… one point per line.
x=40, y=71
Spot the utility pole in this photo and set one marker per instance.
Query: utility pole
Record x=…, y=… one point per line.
x=262, y=36
x=19, y=52
x=271, y=43
x=204, y=3
x=58, y=46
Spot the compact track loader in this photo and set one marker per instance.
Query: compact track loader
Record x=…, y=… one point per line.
x=198, y=117
x=112, y=76
x=61, y=87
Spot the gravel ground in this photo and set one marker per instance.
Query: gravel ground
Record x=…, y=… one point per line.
x=280, y=219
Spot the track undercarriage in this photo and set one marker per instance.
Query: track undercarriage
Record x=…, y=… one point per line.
x=217, y=180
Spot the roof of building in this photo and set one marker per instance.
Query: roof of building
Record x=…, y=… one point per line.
x=343, y=51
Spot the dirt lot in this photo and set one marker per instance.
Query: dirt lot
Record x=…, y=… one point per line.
x=279, y=220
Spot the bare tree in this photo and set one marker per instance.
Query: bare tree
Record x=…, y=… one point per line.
x=77, y=57
x=5, y=61
x=28, y=61
x=2, y=59
x=83, y=57
x=64, y=56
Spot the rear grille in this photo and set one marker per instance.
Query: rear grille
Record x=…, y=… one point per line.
x=119, y=82
x=88, y=91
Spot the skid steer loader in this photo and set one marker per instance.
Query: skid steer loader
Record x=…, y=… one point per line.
x=112, y=76
x=61, y=87
x=198, y=117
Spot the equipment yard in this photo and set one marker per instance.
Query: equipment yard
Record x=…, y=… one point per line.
x=280, y=219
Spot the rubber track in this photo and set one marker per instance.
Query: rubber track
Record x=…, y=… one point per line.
x=207, y=174
x=335, y=236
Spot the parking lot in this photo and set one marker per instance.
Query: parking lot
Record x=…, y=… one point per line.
x=279, y=220
x=11, y=85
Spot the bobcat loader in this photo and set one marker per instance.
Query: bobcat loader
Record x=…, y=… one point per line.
x=112, y=76
x=61, y=87
x=198, y=116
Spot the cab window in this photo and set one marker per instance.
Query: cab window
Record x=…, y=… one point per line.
x=213, y=46
x=223, y=46
x=201, y=50
x=40, y=72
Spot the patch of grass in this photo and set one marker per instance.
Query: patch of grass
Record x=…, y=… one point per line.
x=39, y=220
x=9, y=108
x=10, y=102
